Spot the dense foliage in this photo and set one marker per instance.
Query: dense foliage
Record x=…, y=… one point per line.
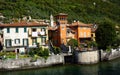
x=73, y=43
x=56, y=50
x=88, y=11
x=39, y=52
x=105, y=35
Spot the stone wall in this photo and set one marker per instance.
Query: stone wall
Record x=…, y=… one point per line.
x=113, y=54
x=13, y=64
x=87, y=57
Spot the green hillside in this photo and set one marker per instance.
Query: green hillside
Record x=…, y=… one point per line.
x=88, y=11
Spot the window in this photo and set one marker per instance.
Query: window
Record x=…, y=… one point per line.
x=43, y=40
x=8, y=30
x=17, y=30
x=17, y=41
x=8, y=42
x=81, y=34
x=43, y=31
x=25, y=42
x=84, y=34
x=25, y=29
x=34, y=41
x=34, y=29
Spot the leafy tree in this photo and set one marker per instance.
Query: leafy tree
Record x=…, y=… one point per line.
x=41, y=9
x=105, y=34
x=73, y=43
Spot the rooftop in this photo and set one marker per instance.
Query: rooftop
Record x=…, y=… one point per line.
x=23, y=23
x=80, y=24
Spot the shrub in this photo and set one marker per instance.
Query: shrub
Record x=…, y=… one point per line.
x=56, y=50
x=10, y=55
x=73, y=43
x=39, y=52
x=92, y=43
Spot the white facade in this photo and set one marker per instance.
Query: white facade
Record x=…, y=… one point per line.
x=17, y=38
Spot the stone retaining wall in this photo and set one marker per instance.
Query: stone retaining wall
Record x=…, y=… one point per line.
x=26, y=63
x=87, y=57
x=113, y=54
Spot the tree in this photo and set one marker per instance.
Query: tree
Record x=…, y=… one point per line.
x=105, y=34
x=73, y=43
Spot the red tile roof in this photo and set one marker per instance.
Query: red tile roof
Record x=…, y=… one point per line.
x=80, y=24
x=23, y=24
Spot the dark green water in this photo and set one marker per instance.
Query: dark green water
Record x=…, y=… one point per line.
x=104, y=68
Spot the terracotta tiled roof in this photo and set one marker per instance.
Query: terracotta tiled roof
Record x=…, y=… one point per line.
x=80, y=24
x=22, y=24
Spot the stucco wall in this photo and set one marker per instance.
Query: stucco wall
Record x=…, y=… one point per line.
x=26, y=63
x=87, y=57
x=13, y=35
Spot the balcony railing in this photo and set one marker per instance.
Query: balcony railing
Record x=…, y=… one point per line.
x=34, y=34
x=42, y=33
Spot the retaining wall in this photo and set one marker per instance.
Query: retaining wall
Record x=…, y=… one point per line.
x=113, y=54
x=26, y=63
x=87, y=57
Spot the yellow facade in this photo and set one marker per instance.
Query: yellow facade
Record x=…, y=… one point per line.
x=36, y=38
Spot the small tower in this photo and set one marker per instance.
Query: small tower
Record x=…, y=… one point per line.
x=51, y=20
x=61, y=18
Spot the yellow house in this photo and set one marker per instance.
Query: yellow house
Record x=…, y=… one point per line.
x=38, y=35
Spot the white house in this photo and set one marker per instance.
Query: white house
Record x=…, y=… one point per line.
x=16, y=35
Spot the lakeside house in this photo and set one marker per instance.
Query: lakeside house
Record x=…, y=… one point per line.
x=19, y=35
x=60, y=32
x=27, y=33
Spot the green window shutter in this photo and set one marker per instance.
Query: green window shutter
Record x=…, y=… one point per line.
x=23, y=42
x=8, y=30
x=15, y=41
x=10, y=42
x=19, y=41
x=17, y=30
x=25, y=29
x=27, y=42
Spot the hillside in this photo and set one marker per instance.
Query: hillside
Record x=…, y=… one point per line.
x=88, y=11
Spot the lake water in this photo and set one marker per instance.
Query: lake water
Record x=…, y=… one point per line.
x=103, y=68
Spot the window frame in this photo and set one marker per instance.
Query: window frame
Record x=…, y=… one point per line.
x=24, y=42
x=17, y=30
x=6, y=42
x=8, y=30
x=16, y=41
x=25, y=29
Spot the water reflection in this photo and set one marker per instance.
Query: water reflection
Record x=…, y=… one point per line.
x=104, y=68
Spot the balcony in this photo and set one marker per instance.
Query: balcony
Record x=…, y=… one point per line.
x=42, y=33
x=34, y=34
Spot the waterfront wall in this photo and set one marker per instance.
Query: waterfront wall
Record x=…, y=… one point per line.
x=13, y=64
x=113, y=54
x=87, y=57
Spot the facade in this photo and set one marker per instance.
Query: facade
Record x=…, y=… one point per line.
x=62, y=32
x=23, y=34
x=80, y=31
